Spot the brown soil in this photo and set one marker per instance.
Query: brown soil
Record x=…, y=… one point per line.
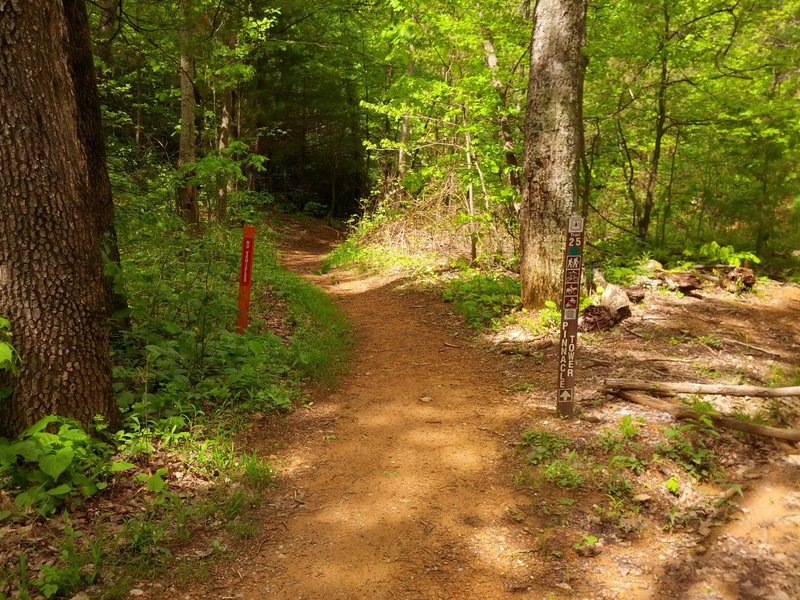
x=400, y=484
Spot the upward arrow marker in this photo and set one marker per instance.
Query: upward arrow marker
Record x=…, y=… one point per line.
x=566, y=396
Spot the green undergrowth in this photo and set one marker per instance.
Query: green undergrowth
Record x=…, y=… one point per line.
x=619, y=474
x=376, y=258
x=482, y=297
x=188, y=387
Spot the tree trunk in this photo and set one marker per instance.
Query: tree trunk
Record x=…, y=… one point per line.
x=512, y=164
x=552, y=134
x=51, y=269
x=188, y=206
x=93, y=144
x=225, y=185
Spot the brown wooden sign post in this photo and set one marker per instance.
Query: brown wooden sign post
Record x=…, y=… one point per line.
x=570, y=302
x=246, y=277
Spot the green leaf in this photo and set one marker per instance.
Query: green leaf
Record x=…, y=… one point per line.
x=120, y=465
x=29, y=497
x=6, y=354
x=61, y=490
x=4, y=514
x=54, y=465
x=29, y=450
x=39, y=426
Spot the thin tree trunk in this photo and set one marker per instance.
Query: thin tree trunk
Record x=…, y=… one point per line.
x=405, y=127
x=665, y=213
x=187, y=203
x=225, y=185
x=661, y=119
x=552, y=137
x=512, y=164
x=51, y=269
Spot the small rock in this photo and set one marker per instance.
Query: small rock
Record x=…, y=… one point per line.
x=778, y=595
x=80, y=596
x=642, y=498
x=425, y=399
x=564, y=586
x=136, y=592
x=792, y=459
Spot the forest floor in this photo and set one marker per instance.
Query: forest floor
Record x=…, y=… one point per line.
x=408, y=481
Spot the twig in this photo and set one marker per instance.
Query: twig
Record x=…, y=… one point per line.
x=751, y=347
x=632, y=332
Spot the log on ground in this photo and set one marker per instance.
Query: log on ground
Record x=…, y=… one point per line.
x=685, y=387
x=684, y=412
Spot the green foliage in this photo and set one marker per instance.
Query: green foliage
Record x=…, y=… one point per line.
x=727, y=255
x=686, y=446
x=585, y=544
x=543, y=445
x=673, y=486
x=482, y=297
x=257, y=473
x=180, y=362
x=50, y=469
x=565, y=472
x=780, y=376
x=245, y=206
x=619, y=274
x=621, y=438
x=711, y=341
x=8, y=357
x=76, y=568
x=7, y=354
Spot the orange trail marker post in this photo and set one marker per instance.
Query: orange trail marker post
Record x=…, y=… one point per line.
x=570, y=303
x=246, y=277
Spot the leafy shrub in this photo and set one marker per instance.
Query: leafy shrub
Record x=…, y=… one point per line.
x=180, y=358
x=543, y=445
x=686, y=446
x=482, y=297
x=714, y=252
x=565, y=472
x=47, y=469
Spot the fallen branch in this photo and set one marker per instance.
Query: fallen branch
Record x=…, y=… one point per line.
x=684, y=412
x=751, y=347
x=700, y=388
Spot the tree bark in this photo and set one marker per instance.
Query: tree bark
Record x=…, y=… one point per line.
x=552, y=140
x=187, y=203
x=93, y=145
x=51, y=269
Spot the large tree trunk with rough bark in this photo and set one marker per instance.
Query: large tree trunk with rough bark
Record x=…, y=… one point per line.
x=51, y=269
x=93, y=145
x=188, y=206
x=552, y=143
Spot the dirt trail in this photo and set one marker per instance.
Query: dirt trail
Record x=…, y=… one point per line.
x=395, y=485
x=399, y=484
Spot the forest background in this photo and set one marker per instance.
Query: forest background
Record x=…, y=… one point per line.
x=415, y=111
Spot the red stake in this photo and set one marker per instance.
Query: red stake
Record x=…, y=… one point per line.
x=246, y=277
